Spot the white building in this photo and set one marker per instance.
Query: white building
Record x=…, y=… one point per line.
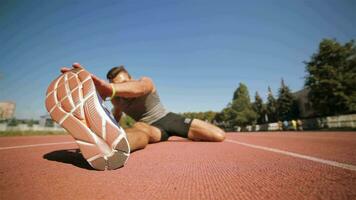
x=7, y=110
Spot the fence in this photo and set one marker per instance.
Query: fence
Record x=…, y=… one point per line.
x=25, y=127
x=333, y=122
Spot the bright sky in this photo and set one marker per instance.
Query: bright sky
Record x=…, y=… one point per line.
x=195, y=51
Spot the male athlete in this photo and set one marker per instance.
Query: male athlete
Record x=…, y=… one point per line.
x=139, y=99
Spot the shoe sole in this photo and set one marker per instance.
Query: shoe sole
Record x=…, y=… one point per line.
x=73, y=103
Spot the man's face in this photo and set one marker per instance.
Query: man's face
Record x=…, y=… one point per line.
x=121, y=77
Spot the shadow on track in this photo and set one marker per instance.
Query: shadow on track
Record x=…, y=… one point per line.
x=69, y=156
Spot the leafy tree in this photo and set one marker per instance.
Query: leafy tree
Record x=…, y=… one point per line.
x=331, y=77
x=241, y=108
x=286, y=104
x=225, y=118
x=205, y=116
x=209, y=116
x=271, y=106
x=259, y=108
x=13, y=122
x=219, y=117
x=31, y=122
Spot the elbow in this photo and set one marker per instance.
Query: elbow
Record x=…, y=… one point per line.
x=146, y=86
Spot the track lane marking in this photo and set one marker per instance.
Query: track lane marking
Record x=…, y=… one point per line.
x=34, y=145
x=297, y=155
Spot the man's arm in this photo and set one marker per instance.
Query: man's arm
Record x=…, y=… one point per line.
x=134, y=88
x=130, y=89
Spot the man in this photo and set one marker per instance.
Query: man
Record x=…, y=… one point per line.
x=139, y=99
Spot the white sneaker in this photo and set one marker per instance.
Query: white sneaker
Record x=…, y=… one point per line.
x=74, y=103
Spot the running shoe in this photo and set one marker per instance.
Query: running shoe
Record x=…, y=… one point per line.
x=73, y=102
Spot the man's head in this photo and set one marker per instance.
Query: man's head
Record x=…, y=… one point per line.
x=118, y=75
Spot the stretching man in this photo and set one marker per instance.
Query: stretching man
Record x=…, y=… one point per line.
x=139, y=99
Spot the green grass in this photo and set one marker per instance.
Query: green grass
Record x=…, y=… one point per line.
x=29, y=133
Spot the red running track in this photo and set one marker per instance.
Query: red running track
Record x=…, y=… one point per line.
x=181, y=169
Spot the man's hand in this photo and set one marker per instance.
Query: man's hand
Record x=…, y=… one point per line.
x=104, y=88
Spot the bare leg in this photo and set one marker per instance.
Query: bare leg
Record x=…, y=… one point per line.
x=203, y=131
x=141, y=134
x=137, y=139
x=153, y=133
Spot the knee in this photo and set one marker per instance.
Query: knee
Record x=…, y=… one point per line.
x=220, y=136
x=140, y=143
x=207, y=132
x=153, y=134
x=137, y=140
x=143, y=140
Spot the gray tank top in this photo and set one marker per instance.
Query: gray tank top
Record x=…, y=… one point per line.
x=147, y=108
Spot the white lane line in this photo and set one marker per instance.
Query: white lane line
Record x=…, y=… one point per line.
x=34, y=145
x=319, y=160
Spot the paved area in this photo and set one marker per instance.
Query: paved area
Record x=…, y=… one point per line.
x=279, y=165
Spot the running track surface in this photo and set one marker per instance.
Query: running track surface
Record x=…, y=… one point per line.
x=284, y=165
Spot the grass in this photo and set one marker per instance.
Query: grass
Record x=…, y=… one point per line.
x=30, y=133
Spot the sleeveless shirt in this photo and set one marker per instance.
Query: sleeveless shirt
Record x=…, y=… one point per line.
x=147, y=108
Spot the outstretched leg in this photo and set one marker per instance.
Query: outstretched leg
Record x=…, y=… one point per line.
x=203, y=131
x=141, y=134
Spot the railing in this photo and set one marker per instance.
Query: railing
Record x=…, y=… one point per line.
x=333, y=122
x=25, y=127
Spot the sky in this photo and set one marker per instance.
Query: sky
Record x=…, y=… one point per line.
x=196, y=52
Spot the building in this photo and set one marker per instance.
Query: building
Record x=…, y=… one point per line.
x=7, y=110
x=46, y=121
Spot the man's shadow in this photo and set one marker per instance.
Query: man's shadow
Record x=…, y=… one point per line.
x=69, y=156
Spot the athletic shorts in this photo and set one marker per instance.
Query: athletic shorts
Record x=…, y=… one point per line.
x=173, y=125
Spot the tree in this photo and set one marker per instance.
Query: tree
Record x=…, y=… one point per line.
x=242, y=113
x=205, y=116
x=31, y=122
x=225, y=118
x=286, y=108
x=209, y=116
x=259, y=108
x=13, y=122
x=271, y=106
x=331, y=77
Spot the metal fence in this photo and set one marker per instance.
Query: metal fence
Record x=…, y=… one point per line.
x=26, y=127
x=333, y=122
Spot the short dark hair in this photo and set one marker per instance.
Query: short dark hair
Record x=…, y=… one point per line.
x=113, y=72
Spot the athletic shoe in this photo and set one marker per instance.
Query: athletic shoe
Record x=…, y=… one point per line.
x=74, y=103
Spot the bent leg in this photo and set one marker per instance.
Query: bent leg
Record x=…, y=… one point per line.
x=141, y=134
x=154, y=134
x=137, y=139
x=203, y=131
